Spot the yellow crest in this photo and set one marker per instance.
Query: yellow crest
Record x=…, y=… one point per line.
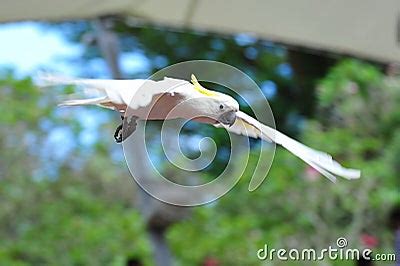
x=200, y=88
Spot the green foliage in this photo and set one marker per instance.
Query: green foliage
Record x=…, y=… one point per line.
x=20, y=97
x=78, y=209
x=81, y=216
x=341, y=80
x=68, y=225
x=296, y=207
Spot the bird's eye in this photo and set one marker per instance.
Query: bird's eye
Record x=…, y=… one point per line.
x=221, y=107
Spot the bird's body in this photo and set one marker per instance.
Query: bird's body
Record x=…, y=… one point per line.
x=175, y=98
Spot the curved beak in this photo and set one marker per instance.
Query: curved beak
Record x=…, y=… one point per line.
x=227, y=118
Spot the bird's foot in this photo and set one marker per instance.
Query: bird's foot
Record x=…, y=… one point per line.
x=118, y=134
x=122, y=133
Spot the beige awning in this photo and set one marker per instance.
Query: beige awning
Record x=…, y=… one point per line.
x=363, y=28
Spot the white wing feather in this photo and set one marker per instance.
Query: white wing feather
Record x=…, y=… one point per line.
x=322, y=162
x=121, y=92
x=118, y=92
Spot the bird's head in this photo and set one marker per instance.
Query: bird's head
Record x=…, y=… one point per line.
x=220, y=106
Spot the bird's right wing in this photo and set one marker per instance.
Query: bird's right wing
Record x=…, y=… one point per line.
x=322, y=162
x=118, y=92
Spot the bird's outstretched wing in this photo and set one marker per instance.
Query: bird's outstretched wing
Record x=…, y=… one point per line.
x=322, y=162
x=111, y=93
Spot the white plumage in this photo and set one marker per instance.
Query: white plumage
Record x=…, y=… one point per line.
x=209, y=107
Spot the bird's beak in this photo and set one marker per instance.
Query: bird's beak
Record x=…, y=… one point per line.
x=228, y=118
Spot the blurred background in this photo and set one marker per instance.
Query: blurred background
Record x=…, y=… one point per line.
x=329, y=70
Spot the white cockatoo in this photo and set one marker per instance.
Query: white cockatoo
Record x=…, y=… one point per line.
x=176, y=98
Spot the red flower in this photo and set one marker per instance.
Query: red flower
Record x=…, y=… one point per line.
x=369, y=241
x=311, y=174
x=210, y=261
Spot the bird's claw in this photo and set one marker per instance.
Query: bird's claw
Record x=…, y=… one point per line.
x=118, y=134
x=122, y=134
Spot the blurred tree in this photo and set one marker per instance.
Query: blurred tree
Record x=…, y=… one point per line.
x=60, y=207
x=308, y=68
x=155, y=48
x=66, y=206
x=296, y=207
x=149, y=49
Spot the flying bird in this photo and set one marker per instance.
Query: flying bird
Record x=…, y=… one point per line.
x=172, y=98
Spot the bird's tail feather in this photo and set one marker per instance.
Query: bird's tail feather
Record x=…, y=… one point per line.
x=94, y=93
x=90, y=101
x=320, y=161
x=46, y=80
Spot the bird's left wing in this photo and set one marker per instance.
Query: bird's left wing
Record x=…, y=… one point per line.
x=245, y=125
x=322, y=162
